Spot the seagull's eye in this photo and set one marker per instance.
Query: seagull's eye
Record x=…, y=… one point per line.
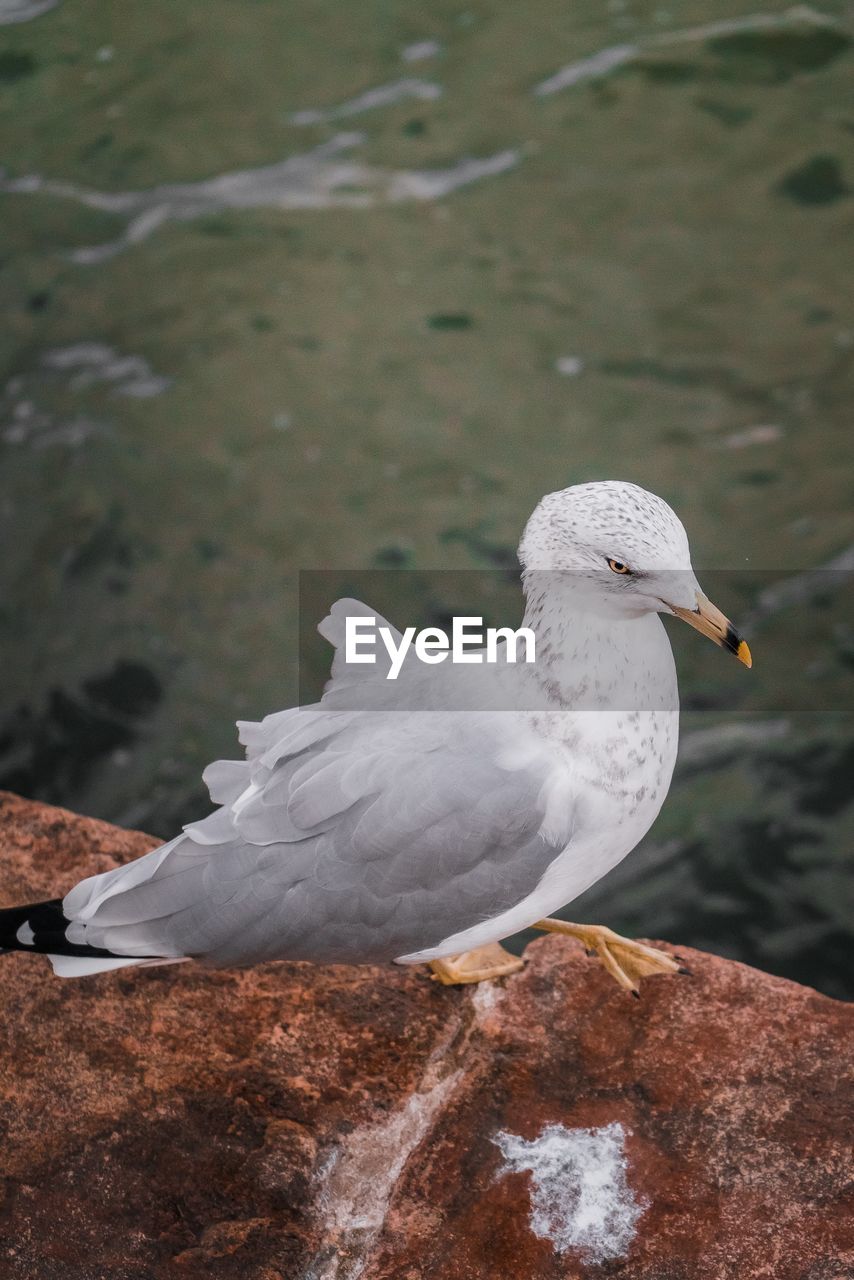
x=617, y=566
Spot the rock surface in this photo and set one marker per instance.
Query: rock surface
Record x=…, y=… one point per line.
x=329, y=1123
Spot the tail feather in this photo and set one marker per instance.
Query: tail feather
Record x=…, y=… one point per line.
x=41, y=927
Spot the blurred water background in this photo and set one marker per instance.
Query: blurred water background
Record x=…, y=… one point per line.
x=346, y=287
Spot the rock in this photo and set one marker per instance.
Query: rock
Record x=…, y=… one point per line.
x=329, y=1123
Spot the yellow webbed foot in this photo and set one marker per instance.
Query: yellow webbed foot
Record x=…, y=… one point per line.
x=626, y=961
x=491, y=961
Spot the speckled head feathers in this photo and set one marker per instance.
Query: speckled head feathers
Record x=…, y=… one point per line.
x=586, y=525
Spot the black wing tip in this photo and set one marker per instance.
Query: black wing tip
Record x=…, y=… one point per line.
x=47, y=923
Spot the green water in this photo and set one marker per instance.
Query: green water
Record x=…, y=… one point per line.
x=653, y=283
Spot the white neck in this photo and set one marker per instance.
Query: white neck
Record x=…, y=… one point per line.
x=595, y=660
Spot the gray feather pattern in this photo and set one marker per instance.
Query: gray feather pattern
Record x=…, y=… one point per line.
x=365, y=836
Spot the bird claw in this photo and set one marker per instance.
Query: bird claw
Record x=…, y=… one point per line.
x=480, y=965
x=626, y=961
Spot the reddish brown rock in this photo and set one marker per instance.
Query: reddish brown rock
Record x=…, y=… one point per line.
x=331, y=1123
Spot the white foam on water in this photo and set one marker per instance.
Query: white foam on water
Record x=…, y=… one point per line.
x=24, y=10
x=420, y=50
x=603, y=62
x=322, y=178
x=384, y=95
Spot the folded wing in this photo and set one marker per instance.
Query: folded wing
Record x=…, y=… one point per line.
x=345, y=835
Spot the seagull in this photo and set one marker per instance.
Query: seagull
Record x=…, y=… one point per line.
x=412, y=820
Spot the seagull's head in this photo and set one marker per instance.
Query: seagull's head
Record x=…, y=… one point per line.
x=622, y=552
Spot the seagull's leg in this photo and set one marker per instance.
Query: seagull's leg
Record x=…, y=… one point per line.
x=626, y=961
x=491, y=961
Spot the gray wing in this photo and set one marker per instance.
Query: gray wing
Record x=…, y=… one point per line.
x=344, y=836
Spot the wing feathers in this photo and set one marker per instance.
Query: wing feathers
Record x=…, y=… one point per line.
x=343, y=835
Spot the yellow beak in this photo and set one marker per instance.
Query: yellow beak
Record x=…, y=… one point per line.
x=709, y=620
